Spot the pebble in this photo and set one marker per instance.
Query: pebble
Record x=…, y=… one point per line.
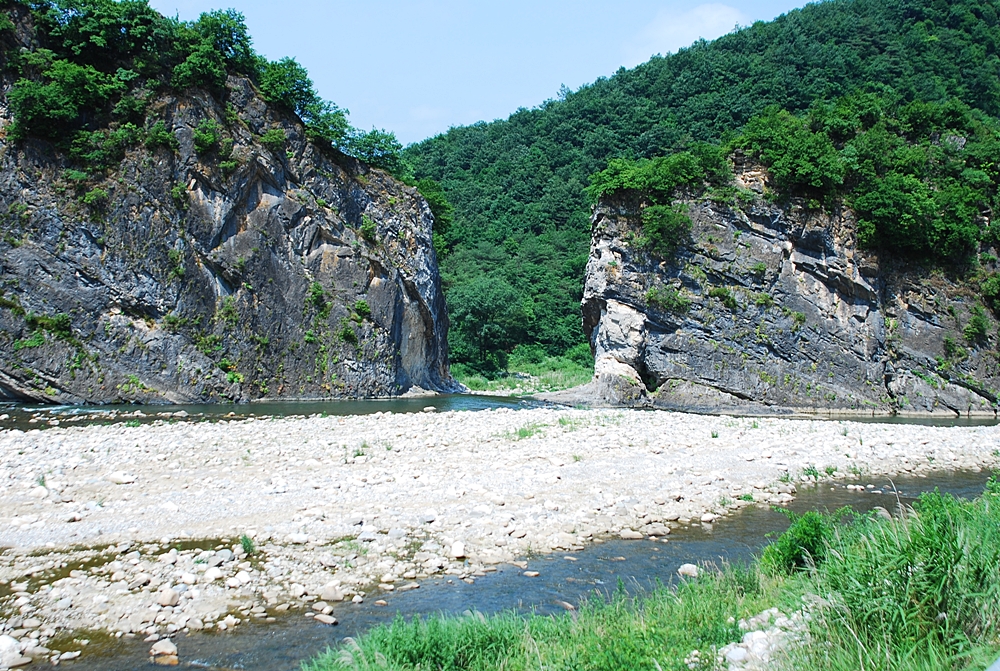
x=121, y=478
x=331, y=593
x=325, y=619
x=164, y=646
x=168, y=597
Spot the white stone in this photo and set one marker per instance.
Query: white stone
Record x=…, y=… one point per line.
x=212, y=574
x=120, y=478
x=163, y=647
x=331, y=593
x=168, y=597
x=688, y=570
x=9, y=644
x=457, y=550
x=737, y=655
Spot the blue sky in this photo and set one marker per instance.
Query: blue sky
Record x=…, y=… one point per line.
x=419, y=67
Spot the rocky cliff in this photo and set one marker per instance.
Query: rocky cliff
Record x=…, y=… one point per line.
x=257, y=265
x=769, y=307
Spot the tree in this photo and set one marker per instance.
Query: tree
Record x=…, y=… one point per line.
x=487, y=317
x=379, y=148
x=287, y=83
x=226, y=32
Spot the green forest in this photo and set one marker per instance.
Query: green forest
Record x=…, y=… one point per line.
x=519, y=235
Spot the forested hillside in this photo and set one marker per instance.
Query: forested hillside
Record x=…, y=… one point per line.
x=514, y=254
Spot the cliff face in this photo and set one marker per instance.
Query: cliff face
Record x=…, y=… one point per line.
x=230, y=273
x=776, y=307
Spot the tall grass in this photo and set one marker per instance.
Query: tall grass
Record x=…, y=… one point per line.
x=921, y=591
x=917, y=593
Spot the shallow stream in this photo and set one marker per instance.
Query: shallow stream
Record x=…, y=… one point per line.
x=564, y=577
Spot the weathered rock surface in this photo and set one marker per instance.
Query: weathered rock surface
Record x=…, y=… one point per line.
x=239, y=273
x=800, y=318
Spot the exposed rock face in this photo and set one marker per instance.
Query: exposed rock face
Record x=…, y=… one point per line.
x=282, y=272
x=799, y=318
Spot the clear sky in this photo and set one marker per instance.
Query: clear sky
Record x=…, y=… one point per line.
x=417, y=67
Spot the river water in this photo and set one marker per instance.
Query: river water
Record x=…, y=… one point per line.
x=597, y=570
x=27, y=416
x=20, y=416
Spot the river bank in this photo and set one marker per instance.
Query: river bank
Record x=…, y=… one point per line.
x=101, y=521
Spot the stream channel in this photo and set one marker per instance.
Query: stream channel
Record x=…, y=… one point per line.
x=639, y=565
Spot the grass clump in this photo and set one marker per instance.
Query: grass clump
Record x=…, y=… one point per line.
x=668, y=299
x=726, y=296
x=921, y=591
x=274, y=139
x=977, y=330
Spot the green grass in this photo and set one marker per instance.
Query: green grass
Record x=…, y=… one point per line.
x=527, y=431
x=551, y=374
x=919, y=592
x=618, y=633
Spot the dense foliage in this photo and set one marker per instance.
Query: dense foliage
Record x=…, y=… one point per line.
x=99, y=63
x=517, y=185
x=919, y=175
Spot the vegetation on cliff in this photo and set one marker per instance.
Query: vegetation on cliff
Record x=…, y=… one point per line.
x=97, y=65
x=921, y=176
x=517, y=186
x=917, y=592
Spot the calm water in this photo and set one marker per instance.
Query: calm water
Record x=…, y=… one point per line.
x=20, y=415
x=598, y=569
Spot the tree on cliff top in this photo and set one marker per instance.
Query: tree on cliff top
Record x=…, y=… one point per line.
x=99, y=62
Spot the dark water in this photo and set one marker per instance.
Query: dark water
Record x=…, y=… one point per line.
x=637, y=564
x=20, y=415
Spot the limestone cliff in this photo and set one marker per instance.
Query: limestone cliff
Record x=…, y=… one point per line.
x=237, y=272
x=776, y=307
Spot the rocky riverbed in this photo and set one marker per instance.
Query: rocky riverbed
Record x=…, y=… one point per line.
x=180, y=526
